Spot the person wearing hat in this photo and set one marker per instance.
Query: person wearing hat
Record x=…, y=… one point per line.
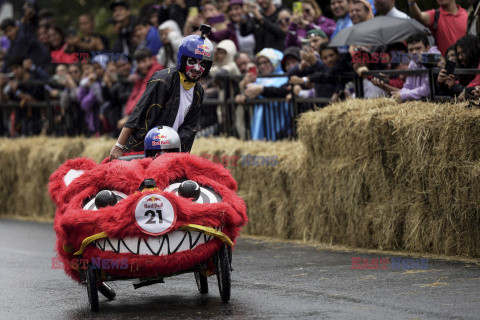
x=316, y=38
x=232, y=32
x=123, y=25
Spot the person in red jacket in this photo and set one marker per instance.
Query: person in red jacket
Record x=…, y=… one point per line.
x=147, y=65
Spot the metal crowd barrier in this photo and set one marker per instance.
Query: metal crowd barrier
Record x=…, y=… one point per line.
x=228, y=104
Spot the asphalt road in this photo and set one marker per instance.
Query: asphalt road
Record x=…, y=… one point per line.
x=270, y=280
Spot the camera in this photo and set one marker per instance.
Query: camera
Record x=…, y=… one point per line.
x=430, y=60
x=205, y=30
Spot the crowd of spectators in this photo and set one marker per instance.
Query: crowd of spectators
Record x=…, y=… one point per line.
x=94, y=83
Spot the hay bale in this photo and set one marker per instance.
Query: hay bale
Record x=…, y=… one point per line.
x=266, y=188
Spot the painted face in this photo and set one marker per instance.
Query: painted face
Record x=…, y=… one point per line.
x=195, y=68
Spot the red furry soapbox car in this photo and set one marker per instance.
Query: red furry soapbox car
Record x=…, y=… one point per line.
x=146, y=219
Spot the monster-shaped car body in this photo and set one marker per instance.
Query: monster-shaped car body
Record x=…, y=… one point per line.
x=147, y=218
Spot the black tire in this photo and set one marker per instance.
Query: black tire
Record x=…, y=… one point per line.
x=92, y=288
x=107, y=291
x=223, y=273
x=202, y=283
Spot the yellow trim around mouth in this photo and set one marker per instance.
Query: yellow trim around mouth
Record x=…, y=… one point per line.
x=208, y=231
x=192, y=227
x=87, y=241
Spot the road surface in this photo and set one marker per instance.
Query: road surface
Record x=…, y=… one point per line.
x=271, y=280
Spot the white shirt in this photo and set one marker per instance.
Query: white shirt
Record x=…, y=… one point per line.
x=186, y=97
x=395, y=13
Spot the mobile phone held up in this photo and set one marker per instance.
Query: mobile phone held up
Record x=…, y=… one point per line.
x=297, y=8
x=450, y=66
x=305, y=45
x=253, y=70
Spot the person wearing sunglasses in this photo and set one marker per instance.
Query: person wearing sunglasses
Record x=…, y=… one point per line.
x=311, y=18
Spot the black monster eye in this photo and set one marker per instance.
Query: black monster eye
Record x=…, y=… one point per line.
x=105, y=198
x=189, y=189
x=203, y=64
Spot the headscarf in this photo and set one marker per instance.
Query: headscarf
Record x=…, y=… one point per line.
x=271, y=120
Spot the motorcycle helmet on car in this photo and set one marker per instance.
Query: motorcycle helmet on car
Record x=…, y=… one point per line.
x=198, y=47
x=160, y=140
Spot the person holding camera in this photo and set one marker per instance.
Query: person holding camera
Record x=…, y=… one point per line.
x=416, y=87
x=263, y=25
x=467, y=51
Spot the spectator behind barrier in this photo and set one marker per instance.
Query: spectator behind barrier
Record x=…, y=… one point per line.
x=272, y=120
x=58, y=47
x=467, y=52
x=171, y=37
x=340, y=9
x=232, y=31
x=393, y=83
x=29, y=20
x=146, y=67
x=262, y=25
x=291, y=58
x=147, y=35
x=387, y=8
x=28, y=47
x=451, y=24
x=327, y=80
x=173, y=10
x=311, y=18
x=417, y=86
x=123, y=25
x=27, y=120
x=284, y=19
x=88, y=41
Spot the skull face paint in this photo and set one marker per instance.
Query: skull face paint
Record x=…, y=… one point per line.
x=195, y=68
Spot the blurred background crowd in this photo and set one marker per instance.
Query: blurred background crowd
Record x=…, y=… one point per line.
x=92, y=67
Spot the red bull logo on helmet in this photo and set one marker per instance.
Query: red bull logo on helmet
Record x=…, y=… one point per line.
x=160, y=143
x=159, y=136
x=203, y=50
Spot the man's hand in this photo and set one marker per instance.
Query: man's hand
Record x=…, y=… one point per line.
x=450, y=81
x=309, y=56
x=295, y=80
x=396, y=95
x=442, y=76
x=297, y=89
x=476, y=92
x=240, y=99
x=115, y=153
x=252, y=8
x=252, y=90
x=334, y=98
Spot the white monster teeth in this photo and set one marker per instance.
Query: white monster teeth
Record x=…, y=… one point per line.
x=176, y=241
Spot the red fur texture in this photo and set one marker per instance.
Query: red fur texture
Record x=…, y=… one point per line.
x=73, y=223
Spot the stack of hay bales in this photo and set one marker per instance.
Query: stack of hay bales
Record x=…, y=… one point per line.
x=394, y=176
x=266, y=188
x=27, y=163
